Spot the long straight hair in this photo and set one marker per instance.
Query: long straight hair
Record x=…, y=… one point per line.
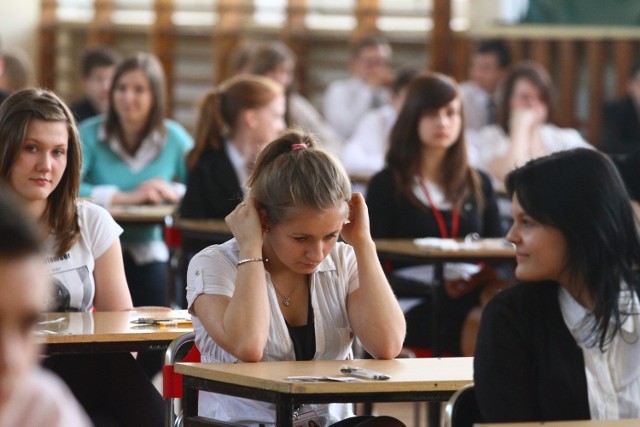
x=580, y=193
x=152, y=69
x=429, y=92
x=16, y=112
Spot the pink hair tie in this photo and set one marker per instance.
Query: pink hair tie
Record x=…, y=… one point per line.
x=300, y=146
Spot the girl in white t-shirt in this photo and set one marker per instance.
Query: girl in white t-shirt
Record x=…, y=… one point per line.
x=40, y=158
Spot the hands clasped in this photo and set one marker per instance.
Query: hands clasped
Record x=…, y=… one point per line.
x=155, y=191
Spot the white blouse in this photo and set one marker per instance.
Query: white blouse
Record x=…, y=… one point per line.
x=613, y=376
x=214, y=271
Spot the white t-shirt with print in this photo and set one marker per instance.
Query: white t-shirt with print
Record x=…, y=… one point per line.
x=72, y=272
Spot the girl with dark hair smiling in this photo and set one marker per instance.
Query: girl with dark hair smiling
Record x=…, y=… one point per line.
x=565, y=343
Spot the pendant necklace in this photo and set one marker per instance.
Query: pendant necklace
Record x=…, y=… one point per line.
x=286, y=300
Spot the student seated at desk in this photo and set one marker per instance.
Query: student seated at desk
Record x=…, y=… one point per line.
x=235, y=121
x=40, y=158
x=565, y=343
x=435, y=193
x=29, y=395
x=523, y=130
x=134, y=155
x=284, y=288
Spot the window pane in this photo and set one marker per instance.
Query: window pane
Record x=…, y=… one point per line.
x=75, y=10
x=134, y=12
x=270, y=13
x=330, y=15
x=195, y=13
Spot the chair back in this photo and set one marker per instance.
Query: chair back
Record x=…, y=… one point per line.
x=181, y=349
x=462, y=408
x=171, y=233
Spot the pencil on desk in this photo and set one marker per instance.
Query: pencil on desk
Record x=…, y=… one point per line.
x=178, y=323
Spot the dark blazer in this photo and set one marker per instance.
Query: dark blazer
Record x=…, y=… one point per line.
x=213, y=190
x=393, y=215
x=527, y=365
x=620, y=126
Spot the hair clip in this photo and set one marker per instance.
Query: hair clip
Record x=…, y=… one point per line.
x=300, y=146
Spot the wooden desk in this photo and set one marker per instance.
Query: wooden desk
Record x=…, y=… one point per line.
x=588, y=423
x=107, y=331
x=483, y=250
x=214, y=230
x=480, y=250
x=141, y=214
x=411, y=380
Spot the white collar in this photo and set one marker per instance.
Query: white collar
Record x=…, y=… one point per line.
x=238, y=162
x=578, y=317
x=149, y=149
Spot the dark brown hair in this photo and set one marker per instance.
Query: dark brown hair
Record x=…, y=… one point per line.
x=16, y=112
x=428, y=92
x=151, y=67
x=537, y=76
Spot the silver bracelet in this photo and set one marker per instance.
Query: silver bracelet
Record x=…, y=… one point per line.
x=246, y=260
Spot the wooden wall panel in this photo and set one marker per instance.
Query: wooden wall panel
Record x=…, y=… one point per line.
x=567, y=84
x=595, y=78
x=47, y=35
x=600, y=55
x=163, y=43
x=624, y=54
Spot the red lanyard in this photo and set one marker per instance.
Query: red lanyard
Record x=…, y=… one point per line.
x=455, y=216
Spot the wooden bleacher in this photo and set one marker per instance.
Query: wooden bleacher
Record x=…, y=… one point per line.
x=588, y=64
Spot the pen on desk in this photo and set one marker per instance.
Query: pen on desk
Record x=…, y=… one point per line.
x=175, y=323
x=364, y=373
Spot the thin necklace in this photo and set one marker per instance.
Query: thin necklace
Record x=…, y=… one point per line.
x=286, y=300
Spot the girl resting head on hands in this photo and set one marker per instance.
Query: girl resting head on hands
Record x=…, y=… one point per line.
x=284, y=288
